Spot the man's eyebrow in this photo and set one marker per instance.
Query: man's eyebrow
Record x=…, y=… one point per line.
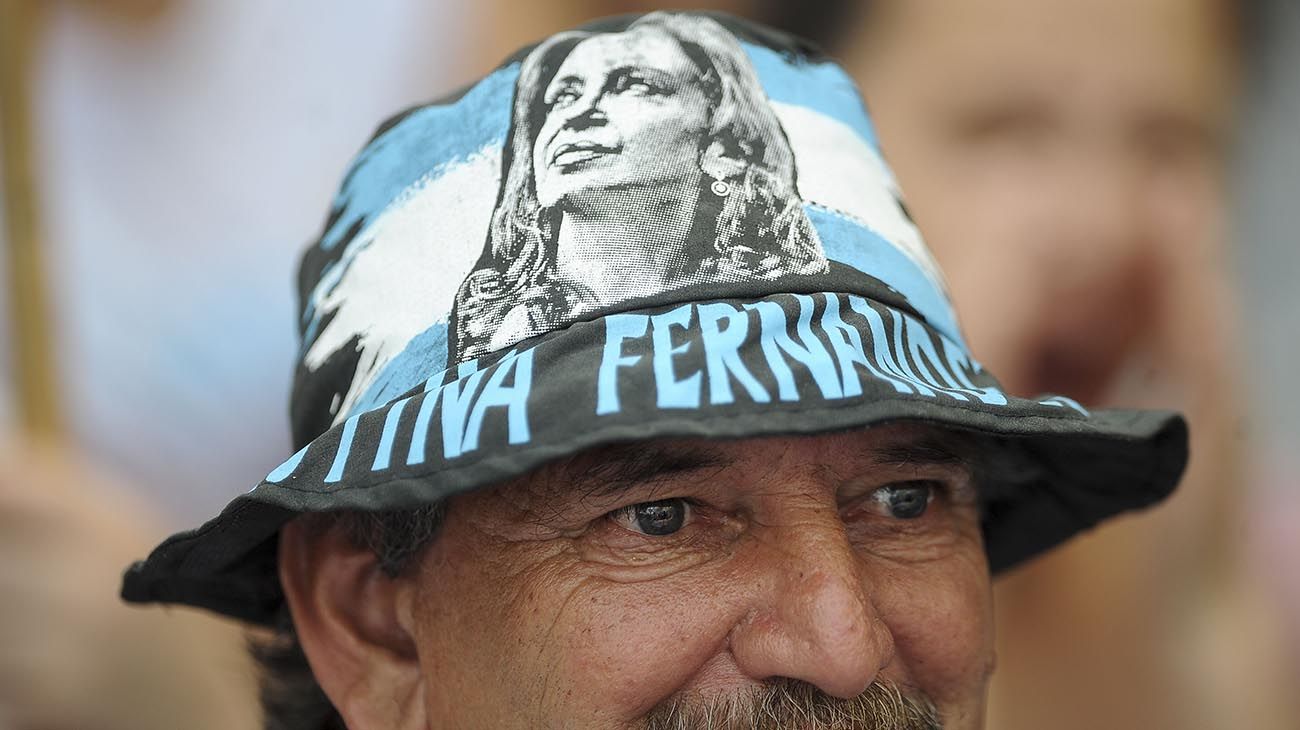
x=613, y=469
x=923, y=452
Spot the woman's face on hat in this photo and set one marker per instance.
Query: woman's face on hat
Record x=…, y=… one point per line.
x=624, y=110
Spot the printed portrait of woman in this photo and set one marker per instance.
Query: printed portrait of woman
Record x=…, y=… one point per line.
x=637, y=163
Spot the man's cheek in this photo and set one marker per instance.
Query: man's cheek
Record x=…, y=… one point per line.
x=628, y=647
x=942, y=625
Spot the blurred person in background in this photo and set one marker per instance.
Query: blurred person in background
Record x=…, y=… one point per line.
x=1081, y=146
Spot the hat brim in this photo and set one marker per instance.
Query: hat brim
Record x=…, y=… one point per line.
x=776, y=365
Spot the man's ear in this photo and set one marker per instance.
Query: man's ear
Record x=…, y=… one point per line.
x=355, y=626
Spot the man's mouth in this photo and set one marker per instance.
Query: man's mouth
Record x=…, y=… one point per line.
x=574, y=153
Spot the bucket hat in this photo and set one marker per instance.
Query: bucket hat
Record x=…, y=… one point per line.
x=669, y=225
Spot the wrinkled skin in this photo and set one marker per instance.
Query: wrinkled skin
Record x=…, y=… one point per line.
x=543, y=604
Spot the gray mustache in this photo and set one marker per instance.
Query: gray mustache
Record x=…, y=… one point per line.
x=793, y=705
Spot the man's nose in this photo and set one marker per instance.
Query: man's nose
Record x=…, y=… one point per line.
x=813, y=618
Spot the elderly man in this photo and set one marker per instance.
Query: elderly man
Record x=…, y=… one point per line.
x=752, y=494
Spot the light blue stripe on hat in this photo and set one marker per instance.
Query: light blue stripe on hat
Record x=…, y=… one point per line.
x=850, y=243
x=822, y=87
x=422, y=142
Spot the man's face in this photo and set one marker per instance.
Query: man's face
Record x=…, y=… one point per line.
x=623, y=110
x=695, y=573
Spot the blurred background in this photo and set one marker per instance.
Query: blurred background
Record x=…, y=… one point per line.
x=1110, y=186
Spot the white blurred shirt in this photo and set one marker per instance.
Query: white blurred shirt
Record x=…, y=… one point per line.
x=184, y=160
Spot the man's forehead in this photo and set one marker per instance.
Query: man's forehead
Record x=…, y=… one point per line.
x=612, y=467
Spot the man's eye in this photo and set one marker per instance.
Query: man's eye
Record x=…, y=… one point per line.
x=905, y=501
x=656, y=519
